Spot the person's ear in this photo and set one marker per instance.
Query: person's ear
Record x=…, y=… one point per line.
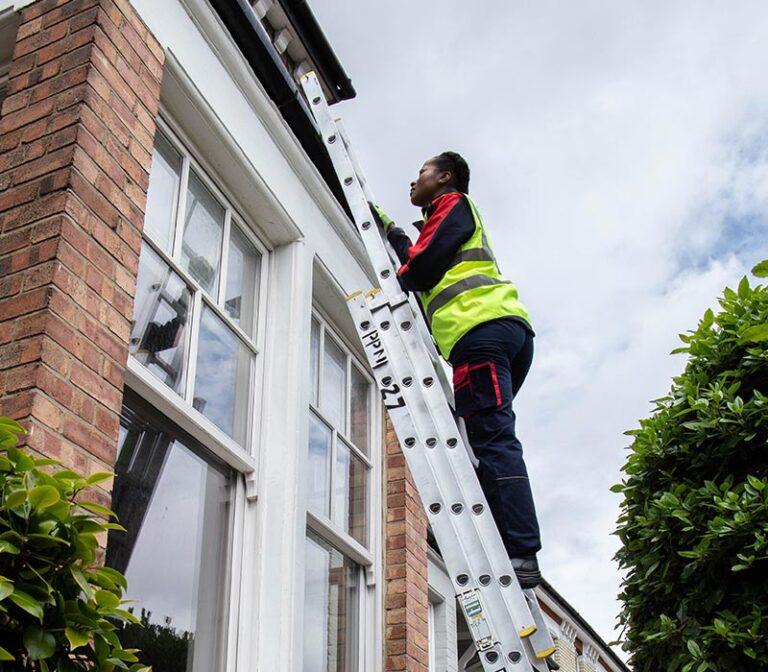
x=444, y=178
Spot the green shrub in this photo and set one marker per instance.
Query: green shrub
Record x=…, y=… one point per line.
x=694, y=519
x=58, y=609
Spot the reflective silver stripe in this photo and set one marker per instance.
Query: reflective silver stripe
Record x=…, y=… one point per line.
x=474, y=254
x=452, y=291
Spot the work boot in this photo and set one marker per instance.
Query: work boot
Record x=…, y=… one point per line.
x=527, y=571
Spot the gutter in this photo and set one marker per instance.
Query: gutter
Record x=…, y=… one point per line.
x=255, y=45
x=313, y=38
x=560, y=601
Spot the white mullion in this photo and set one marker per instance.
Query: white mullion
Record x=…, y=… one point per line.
x=194, y=342
x=348, y=397
x=320, y=362
x=230, y=325
x=357, y=452
x=197, y=289
x=362, y=618
x=182, y=206
x=343, y=543
x=237, y=546
x=224, y=258
x=332, y=476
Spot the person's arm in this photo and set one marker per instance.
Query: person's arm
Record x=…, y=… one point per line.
x=446, y=230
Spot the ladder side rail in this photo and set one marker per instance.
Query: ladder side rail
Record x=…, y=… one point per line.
x=456, y=533
x=358, y=204
x=472, y=494
x=357, y=194
x=541, y=643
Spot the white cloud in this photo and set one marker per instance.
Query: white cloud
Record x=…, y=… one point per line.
x=620, y=156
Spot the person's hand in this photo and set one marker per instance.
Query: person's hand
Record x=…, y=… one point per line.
x=381, y=217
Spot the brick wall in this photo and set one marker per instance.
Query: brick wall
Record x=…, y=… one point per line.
x=406, y=601
x=76, y=137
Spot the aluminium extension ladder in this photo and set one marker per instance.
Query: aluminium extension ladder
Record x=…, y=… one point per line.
x=505, y=621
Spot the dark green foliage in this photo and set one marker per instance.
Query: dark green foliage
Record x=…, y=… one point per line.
x=694, y=521
x=161, y=645
x=58, y=609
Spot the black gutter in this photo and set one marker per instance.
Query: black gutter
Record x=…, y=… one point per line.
x=253, y=41
x=313, y=38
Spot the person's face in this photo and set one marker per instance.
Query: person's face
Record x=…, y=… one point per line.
x=430, y=183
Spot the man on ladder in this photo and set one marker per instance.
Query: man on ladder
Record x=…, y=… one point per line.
x=484, y=331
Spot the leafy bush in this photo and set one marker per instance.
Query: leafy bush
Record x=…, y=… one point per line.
x=694, y=520
x=58, y=611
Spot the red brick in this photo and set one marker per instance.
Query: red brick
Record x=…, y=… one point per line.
x=66, y=11
x=26, y=116
x=74, y=41
x=40, y=39
x=46, y=164
x=23, y=303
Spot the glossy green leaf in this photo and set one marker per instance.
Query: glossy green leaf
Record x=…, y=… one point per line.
x=43, y=496
x=97, y=508
x=15, y=499
x=39, y=642
x=6, y=588
x=76, y=638
x=755, y=334
x=107, y=600
x=27, y=603
x=5, y=655
x=99, y=477
x=79, y=577
x=761, y=270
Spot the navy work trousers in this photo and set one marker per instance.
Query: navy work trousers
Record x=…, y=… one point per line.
x=490, y=363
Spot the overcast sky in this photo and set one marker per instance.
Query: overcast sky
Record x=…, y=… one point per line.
x=619, y=155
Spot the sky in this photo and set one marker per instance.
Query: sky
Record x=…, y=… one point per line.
x=619, y=155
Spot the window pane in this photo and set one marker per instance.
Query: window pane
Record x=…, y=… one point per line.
x=330, y=610
x=203, y=230
x=319, y=467
x=351, y=493
x=314, y=360
x=242, y=280
x=316, y=591
x=360, y=411
x=334, y=392
x=163, y=193
x=159, y=334
x=222, y=378
x=175, y=508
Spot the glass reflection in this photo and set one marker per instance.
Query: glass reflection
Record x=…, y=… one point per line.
x=159, y=333
x=222, y=377
x=330, y=610
x=334, y=393
x=314, y=360
x=242, y=280
x=351, y=492
x=203, y=231
x=175, y=508
x=163, y=192
x=360, y=400
x=319, y=467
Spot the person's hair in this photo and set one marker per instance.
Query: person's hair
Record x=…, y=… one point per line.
x=457, y=166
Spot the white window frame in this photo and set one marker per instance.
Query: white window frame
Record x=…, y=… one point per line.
x=225, y=447
x=368, y=559
x=242, y=459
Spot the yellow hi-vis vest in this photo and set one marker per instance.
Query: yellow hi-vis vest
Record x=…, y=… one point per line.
x=471, y=292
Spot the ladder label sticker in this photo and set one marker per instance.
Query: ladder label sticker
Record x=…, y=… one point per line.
x=372, y=343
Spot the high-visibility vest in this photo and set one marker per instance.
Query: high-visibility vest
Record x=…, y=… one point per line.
x=471, y=292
